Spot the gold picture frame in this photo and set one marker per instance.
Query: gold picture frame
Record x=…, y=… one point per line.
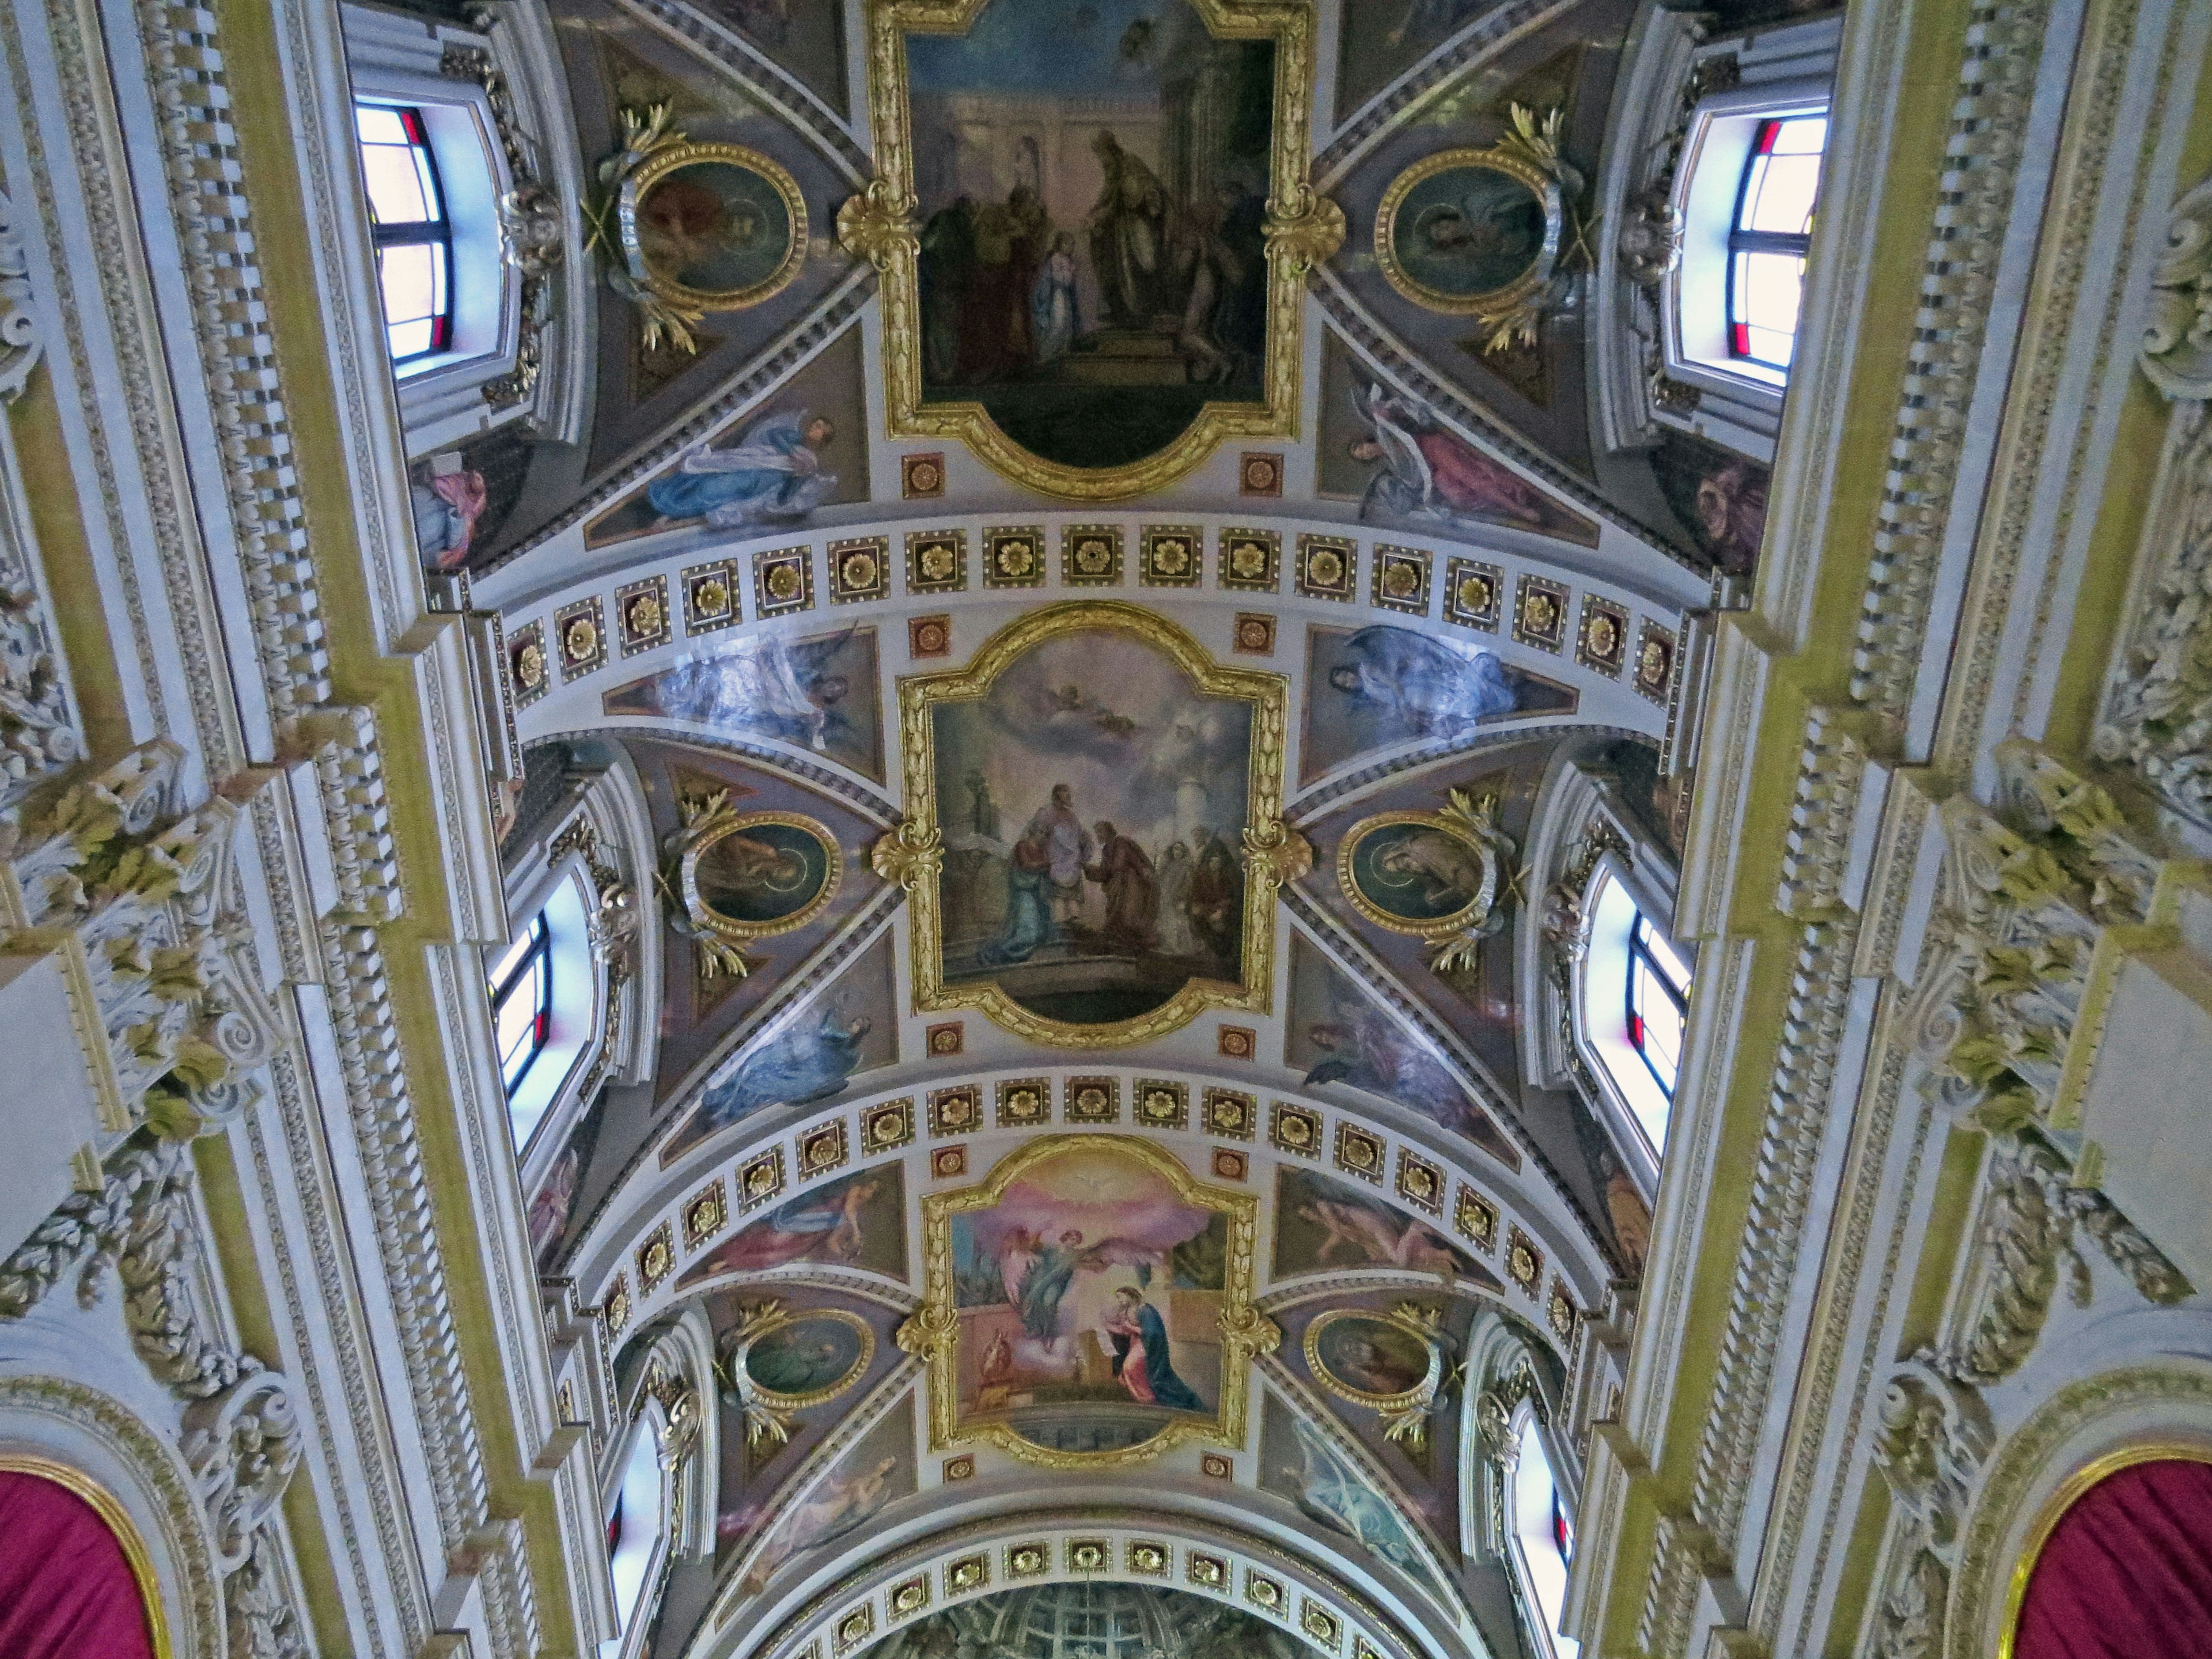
x=1467, y=823
x=913, y=855
x=673, y=157
x=711, y=820
x=882, y=225
x=1405, y=1411
x=933, y=1333
x=768, y=1412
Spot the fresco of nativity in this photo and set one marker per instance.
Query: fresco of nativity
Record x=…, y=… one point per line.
x=1094, y=188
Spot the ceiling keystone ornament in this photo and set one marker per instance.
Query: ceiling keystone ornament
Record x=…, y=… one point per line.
x=1483, y=231
x=1126, y=702
x=1037, y=417
x=1119, y=1229
x=777, y=1361
x=691, y=228
x=1442, y=877
x=733, y=877
x=1393, y=1363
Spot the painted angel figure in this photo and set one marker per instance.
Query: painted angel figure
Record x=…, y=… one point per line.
x=1418, y=687
x=771, y=688
x=800, y=1064
x=773, y=475
x=1429, y=472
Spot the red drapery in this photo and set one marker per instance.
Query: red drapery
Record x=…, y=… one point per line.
x=2127, y=1572
x=66, y=1588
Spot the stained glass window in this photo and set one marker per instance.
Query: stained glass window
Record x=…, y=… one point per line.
x=1658, y=1002
x=522, y=1002
x=414, y=238
x=1768, y=240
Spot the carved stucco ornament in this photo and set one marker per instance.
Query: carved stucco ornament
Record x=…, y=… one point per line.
x=23, y=342
x=2177, y=347
x=1308, y=232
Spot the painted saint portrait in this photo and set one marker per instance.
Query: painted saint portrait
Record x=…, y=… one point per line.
x=1092, y=1617
x=1322, y=1222
x=818, y=695
x=1340, y=1035
x=1093, y=804
x=1382, y=686
x=1420, y=874
x=875, y=1472
x=857, y=1221
x=810, y=1356
x=1371, y=1356
x=1422, y=474
x=1298, y=1462
x=1093, y=292
x=773, y=474
x=1089, y=1285
x=1469, y=230
x=763, y=874
x=1382, y=38
x=714, y=226
x=1720, y=497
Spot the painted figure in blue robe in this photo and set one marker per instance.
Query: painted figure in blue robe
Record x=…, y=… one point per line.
x=1028, y=912
x=1053, y=319
x=1141, y=1364
x=1418, y=687
x=1047, y=1280
x=773, y=475
x=802, y=1063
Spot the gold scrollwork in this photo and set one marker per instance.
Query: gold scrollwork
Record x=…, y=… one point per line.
x=1530, y=156
x=913, y=853
x=1405, y=1411
x=709, y=821
x=933, y=1334
x=768, y=1412
x=883, y=230
x=1467, y=823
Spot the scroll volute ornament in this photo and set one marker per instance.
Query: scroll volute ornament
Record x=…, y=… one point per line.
x=2176, y=354
x=1306, y=231
x=877, y=222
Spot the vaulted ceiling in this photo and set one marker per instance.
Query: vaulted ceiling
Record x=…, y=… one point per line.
x=1104, y=675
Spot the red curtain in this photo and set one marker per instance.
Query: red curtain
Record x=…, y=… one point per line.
x=2127, y=1572
x=66, y=1588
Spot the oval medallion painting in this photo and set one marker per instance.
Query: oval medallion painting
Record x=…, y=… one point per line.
x=1469, y=230
x=716, y=226
x=767, y=872
x=1368, y=1358
x=810, y=1358
x=1415, y=873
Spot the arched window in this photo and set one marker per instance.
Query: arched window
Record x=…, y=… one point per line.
x=1632, y=1004
x=1543, y=1538
x=414, y=234
x=1768, y=237
x=522, y=1002
x=637, y=1525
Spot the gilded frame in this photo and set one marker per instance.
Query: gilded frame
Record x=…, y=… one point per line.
x=720, y=827
x=117, y=1519
x=934, y=1334
x=673, y=157
x=1492, y=305
x=896, y=246
x=1404, y=1414
x=1471, y=914
x=913, y=855
x=767, y=1413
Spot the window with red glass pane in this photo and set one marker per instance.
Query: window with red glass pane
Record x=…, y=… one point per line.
x=1768, y=239
x=1658, y=1002
x=522, y=1002
x=414, y=238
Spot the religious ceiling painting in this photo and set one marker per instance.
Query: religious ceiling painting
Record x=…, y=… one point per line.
x=1380, y=39
x=857, y=1220
x=805, y=37
x=1323, y=1225
x=1299, y=1463
x=815, y=694
x=1089, y=1301
x=790, y=1367
x=875, y=1472
x=1395, y=456
x=1099, y=786
x=800, y=446
x=553, y=1206
x=1088, y=262
x=1337, y=1034
x=808, y=1053
x=1719, y=495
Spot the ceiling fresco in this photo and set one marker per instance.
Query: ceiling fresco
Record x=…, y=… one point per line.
x=1090, y=540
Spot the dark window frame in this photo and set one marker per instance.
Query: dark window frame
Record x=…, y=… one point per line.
x=417, y=232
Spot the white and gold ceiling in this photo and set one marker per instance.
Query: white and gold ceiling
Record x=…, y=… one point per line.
x=1087, y=603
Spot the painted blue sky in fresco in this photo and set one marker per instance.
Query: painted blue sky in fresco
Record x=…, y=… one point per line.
x=1070, y=48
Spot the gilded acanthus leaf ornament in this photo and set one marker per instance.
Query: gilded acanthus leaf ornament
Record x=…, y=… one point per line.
x=877, y=222
x=910, y=856
x=1308, y=230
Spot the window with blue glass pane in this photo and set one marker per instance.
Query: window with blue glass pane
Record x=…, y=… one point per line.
x=414, y=238
x=1768, y=241
x=1658, y=1002
x=522, y=1003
